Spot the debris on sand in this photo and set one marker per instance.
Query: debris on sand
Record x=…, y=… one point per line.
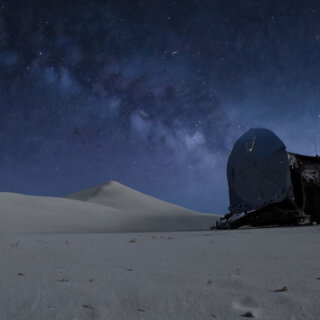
x=141, y=310
x=62, y=280
x=283, y=289
x=21, y=274
x=248, y=315
x=88, y=306
x=209, y=282
x=133, y=241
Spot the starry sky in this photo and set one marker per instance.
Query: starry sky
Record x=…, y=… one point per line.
x=152, y=94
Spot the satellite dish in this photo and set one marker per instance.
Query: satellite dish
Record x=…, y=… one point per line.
x=258, y=171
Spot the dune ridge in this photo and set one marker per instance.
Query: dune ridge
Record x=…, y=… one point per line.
x=116, y=195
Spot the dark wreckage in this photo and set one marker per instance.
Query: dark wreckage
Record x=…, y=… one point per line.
x=269, y=185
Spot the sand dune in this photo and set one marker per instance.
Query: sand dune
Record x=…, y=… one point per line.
x=116, y=195
x=108, y=208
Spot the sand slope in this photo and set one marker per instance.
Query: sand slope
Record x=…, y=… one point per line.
x=110, y=208
x=116, y=195
x=177, y=275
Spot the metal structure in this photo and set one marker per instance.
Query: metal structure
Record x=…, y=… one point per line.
x=270, y=186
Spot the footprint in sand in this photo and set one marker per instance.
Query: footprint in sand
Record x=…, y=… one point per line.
x=15, y=244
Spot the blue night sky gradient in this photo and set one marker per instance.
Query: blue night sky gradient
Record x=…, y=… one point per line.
x=152, y=94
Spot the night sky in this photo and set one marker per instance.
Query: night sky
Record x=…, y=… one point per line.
x=152, y=94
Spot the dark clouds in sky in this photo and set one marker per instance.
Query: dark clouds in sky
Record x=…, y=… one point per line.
x=151, y=93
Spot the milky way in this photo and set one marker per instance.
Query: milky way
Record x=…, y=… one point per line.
x=152, y=94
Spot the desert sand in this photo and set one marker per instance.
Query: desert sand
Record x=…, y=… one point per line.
x=176, y=275
x=75, y=259
x=108, y=208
